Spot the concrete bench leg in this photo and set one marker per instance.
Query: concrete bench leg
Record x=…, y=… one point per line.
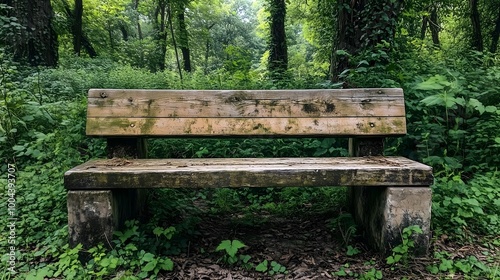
x=384, y=212
x=94, y=215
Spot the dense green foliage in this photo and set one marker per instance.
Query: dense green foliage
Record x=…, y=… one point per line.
x=453, y=112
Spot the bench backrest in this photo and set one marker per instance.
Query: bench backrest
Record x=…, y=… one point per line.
x=318, y=112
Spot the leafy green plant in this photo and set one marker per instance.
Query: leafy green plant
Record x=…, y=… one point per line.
x=352, y=251
x=462, y=208
x=372, y=274
x=345, y=271
x=346, y=226
x=231, y=247
x=272, y=268
x=402, y=252
x=450, y=129
x=469, y=266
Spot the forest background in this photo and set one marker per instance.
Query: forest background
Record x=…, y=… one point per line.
x=443, y=53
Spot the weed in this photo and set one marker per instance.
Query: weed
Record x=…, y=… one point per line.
x=231, y=247
x=401, y=253
x=271, y=268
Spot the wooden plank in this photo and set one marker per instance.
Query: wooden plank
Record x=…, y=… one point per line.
x=341, y=126
x=248, y=172
x=256, y=103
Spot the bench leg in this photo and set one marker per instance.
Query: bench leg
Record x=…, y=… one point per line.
x=94, y=215
x=384, y=212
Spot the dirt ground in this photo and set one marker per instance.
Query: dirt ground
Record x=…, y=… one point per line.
x=305, y=245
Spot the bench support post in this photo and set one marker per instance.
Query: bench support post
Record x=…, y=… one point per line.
x=90, y=218
x=94, y=215
x=384, y=212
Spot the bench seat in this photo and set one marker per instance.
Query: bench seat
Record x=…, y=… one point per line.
x=119, y=173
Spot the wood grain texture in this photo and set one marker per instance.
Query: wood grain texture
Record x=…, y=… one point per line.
x=248, y=172
x=246, y=126
x=253, y=112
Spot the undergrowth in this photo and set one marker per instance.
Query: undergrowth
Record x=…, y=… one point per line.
x=453, y=116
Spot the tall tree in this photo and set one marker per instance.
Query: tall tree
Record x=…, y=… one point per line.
x=159, y=25
x=477, y=37
x=83, y=39
x=495, y=34
x=434, y=26
x=36, y=42
x=431, y=21
x=183, y=37
x=278, y=52
x=362, y=25
x=76, y=27
x=138, y=19
x=169, y=14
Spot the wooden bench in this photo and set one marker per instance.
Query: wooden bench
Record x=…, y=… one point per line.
x=387, y=193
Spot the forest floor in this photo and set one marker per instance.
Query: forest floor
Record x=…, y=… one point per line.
x=305, y=245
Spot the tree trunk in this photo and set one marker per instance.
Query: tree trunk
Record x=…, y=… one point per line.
x=362, y=25
x=76, y=27
x=88, y=46
x=423, y=30
x=36, y=42
x=173, y=41
x=434, y=26
x=161, y=35
x=348, y=35
x=110, y=35
x=123, y=29
x=278, y=53
x=85, y=42
x=138, y=22
x=495, y=34
x=184, y=38
x=207, y=48
x=477, y=38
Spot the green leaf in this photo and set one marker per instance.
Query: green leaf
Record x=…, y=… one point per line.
x=148, y=257
x=158, y=231
x=432, y=269
x=476, y=104
x=18, y=148
x=490, y=109
x=432, y=100
x=150, y=266
x=398, y=249
x=478, y=210
x=231, y=247
x=351, y=251
x=167, y=264
x=245, y=258
x=224, y=244
x=341, y=52
x=429, y=86
x=130, y=247
x=262, y=267
x=434, y=83
x=341, y=273
x=472, y=201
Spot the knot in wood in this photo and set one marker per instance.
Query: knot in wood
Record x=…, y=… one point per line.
x=104, y=95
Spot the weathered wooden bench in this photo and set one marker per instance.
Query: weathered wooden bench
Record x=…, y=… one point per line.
x=387, y=193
